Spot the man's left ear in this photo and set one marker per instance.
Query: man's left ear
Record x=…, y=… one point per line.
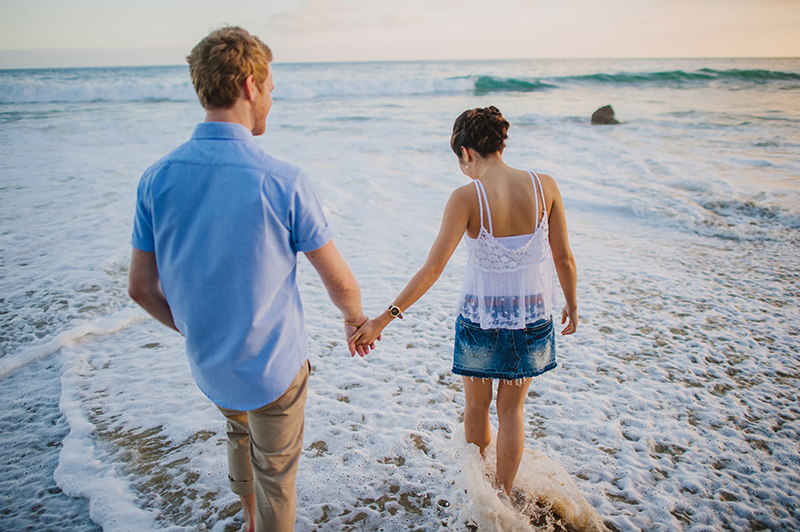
x=250, y=87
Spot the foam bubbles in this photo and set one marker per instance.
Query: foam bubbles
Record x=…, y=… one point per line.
x=674, y=406
x=545, y=497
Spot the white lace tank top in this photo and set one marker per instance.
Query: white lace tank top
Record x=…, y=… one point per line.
x=508, y=281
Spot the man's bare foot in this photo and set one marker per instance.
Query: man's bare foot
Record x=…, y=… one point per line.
x=249, y=511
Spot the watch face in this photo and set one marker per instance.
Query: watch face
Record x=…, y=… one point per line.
x=394, y=311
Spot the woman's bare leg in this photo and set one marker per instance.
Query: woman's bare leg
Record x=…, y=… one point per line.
x=478, y=395
x=511, y=432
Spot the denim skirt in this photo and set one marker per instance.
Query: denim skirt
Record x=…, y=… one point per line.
x=504, y=353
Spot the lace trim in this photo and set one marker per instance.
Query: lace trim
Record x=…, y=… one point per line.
x=487, y=254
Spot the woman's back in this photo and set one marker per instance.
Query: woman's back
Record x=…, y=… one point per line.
x=512, y=197
x=508, y=281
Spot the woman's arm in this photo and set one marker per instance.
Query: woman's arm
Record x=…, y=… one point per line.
x=454, y=224
x=562, y=254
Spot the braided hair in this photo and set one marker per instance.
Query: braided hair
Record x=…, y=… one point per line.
x=483, y=129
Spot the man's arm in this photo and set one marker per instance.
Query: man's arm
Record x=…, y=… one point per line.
x=342, y=288
x=144, y=287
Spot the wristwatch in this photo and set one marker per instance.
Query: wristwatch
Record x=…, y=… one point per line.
x=394, y=311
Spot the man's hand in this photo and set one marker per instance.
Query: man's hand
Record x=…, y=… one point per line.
x=350, y=331
x=367, y=334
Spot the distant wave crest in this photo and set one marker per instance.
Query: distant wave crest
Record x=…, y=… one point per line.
x=673, y=77
x=485, y=84
x=753, y=75
x=42, y=88
x=173, y=84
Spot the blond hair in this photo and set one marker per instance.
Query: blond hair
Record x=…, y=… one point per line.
x=221, y=62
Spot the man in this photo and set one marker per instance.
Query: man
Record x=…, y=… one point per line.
x=217, y=229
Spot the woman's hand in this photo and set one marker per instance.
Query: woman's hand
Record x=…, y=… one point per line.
x=366, y=335
x=349, y=331
x=572, y=316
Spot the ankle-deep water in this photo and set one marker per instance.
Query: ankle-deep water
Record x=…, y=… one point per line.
x=674, y=407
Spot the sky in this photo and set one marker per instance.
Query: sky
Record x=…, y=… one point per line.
x=74, y=33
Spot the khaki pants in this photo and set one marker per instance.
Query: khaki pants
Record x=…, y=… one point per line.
x=264, y=447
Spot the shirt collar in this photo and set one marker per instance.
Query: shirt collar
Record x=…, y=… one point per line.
x=222, y=130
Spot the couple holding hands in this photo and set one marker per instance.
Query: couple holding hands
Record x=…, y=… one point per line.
x=217, y=229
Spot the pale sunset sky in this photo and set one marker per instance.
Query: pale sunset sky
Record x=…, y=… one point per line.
x=59, y=33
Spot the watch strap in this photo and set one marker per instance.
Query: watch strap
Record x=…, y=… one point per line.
x=394, y=311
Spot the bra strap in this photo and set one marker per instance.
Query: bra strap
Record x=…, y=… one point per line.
x=482, y=192
x=536, y=180
x=480, y=202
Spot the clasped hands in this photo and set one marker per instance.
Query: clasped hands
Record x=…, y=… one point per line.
x=361, y=339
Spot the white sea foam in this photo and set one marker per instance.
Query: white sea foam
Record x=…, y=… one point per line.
x=542, y=490
x=86, y=86
x=674, y=407
x=107, y=325
x=343, y=87
x=84, y=470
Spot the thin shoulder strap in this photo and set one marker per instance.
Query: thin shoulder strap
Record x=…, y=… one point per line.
x=480, y=201
x=482, y=193
x=537, y=181
x=535, y=199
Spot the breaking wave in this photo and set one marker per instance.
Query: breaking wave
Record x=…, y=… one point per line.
x=136, y=84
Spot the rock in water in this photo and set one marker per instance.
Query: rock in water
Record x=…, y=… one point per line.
x=604, y=115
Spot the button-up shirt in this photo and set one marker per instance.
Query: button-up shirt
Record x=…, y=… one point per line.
x=226, y=221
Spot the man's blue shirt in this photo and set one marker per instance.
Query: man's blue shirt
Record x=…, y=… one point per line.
x=226, y=221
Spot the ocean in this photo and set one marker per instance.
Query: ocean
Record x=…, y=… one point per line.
x=674, y=407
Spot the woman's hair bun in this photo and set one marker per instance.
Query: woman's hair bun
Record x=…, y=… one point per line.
x=482, y=129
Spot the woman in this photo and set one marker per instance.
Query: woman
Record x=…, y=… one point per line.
x=516, y=231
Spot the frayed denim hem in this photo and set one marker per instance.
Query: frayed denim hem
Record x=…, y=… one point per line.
x=464, y=372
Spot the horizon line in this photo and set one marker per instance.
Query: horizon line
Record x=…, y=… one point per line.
x=352, y=61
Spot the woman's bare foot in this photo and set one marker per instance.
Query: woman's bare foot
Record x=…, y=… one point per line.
x=249, y=511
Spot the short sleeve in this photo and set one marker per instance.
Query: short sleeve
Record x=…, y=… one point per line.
x=310, y=230
x=142, y=236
